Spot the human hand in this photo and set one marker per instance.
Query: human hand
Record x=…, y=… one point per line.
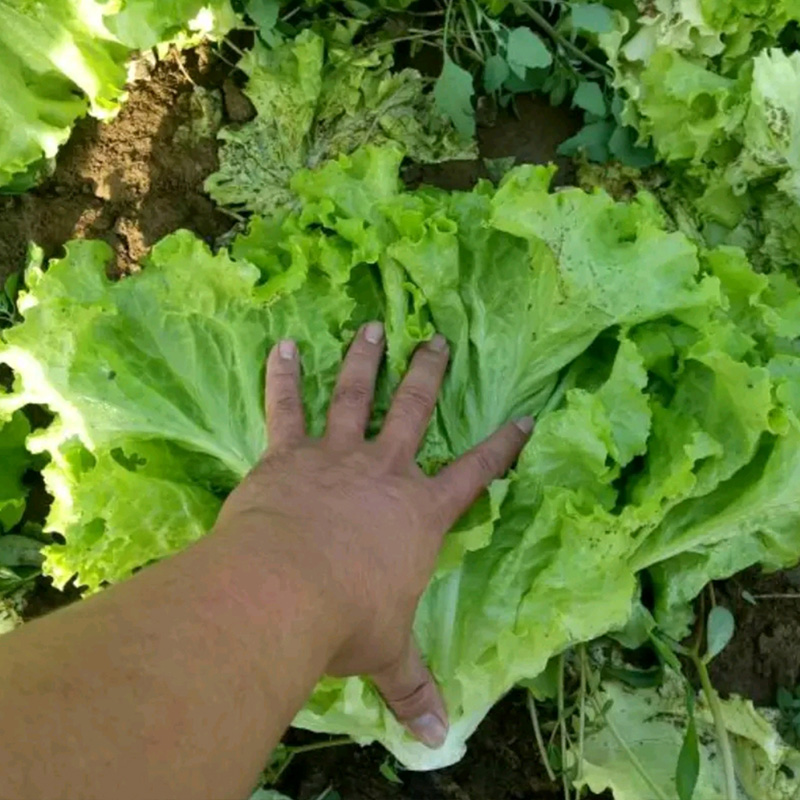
x=359, y=520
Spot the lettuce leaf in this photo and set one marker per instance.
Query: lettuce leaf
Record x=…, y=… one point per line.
x=314, y=101
x=140, y=24
x=708, y=84
x=652, y=724
x=663, y=377
x=16, y=460
x=58, y=62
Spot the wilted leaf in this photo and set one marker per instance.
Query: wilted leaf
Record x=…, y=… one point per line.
x=497, y=167
x=453, y=94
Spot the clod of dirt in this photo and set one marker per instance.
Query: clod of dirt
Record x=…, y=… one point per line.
x=128, y=181
x=237, y=105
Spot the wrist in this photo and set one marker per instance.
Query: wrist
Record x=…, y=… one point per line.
x=280, y=580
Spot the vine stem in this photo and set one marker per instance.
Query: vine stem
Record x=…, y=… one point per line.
x=537, y=732
x=582, y=717
x=562, y=725
x=528, y=9
x=723, y=740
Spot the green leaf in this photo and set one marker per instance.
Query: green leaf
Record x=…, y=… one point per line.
x=264, y=13
x=666, y=439
x=525, y=50
x=20, y=551
x=589, y=97
x=15, y=460
x=719, y=631
x=688, y=768
x=592, y=139
x=267, y=794
x=11, y=288
x=592, y=17
x=622, y=145
x=495, y=71
x=453, y=93
x=387, y=769
x=666, y=653
x=635, y=678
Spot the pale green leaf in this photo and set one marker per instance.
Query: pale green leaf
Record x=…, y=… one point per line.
x=453, y=93
x=589, y=97
x=525, y=50
x=495, y=71
x=592, y=17
x=719, y=631
x=264, y=13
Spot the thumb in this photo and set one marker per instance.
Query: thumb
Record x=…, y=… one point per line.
x=410, y=691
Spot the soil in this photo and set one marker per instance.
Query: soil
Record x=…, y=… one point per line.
x=764, y=653
x=132, y=181
x=125, y=181
x=502, y=763
x=128, y=183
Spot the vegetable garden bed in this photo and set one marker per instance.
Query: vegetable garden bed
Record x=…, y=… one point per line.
x=656, y=338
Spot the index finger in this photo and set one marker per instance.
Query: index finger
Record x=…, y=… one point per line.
x=286, y=424
x=460, y=483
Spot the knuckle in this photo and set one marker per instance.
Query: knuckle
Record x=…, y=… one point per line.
x=415, y=401
x=487, y=462
x=409, y=701
x=352, y=394
x=285, y=403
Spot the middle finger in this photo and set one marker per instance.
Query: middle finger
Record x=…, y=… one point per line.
x=415, y=400
x=350, y=407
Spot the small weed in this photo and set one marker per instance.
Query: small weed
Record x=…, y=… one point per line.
x=789, y=723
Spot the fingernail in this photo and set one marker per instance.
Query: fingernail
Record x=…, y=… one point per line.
x=438, y=343
x=373, y=332
x=429, y=729
x=287, y=349
x=525, y=424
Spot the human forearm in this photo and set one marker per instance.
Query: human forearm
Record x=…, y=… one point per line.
x=174, y=684
x=178, y=683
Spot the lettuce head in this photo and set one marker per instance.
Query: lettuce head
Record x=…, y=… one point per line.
x=664, y=377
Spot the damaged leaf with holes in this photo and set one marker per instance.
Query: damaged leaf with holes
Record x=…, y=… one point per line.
x=316, y=99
